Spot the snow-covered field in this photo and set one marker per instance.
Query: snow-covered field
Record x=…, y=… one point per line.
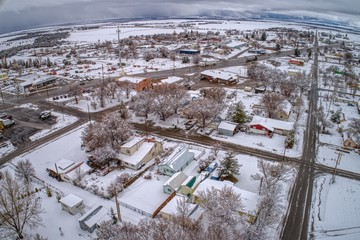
x=336, y=209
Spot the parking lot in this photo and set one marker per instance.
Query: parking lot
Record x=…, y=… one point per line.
x=27, y=123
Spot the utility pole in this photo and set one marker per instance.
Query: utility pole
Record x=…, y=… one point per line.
x=118, y=32
x=117, y=206
x=336, y=164
x=89, y=113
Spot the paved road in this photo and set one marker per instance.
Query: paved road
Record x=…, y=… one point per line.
x=297, y=220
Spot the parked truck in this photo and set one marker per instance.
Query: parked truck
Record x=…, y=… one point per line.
x=6, y=123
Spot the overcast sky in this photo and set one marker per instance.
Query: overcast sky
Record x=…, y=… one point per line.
x=21, y=14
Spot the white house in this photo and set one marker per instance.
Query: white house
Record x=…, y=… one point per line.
x=138, y=151
x=177, y=161
x=68, y=170
x=268, y=126
x=72, y=204
x=174, y=182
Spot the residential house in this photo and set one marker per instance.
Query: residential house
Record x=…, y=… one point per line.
x=90, y=220
x=248, y=199
x=174, y=182
x=139, y=83
x=227, y=128
x=177, y=161
x=72, y=204
x=284, y=113
x=268, y=126
x=350, y=143
x=68, y=170
x=138, y=151
x=216, y=76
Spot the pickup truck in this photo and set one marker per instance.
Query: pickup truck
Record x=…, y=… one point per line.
x=7, y=122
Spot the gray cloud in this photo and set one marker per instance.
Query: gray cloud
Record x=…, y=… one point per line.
x=21, y=14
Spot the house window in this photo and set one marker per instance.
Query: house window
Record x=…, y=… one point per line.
x=127, y=151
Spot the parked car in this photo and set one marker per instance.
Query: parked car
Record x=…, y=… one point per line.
x=45, y=114
x=208, y=131
x=5, y=115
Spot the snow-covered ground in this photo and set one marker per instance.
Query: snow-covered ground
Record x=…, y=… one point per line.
x=336, y=209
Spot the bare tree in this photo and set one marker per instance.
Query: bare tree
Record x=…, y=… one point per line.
x=116, y=129
x=24, y=170
x=322, y=117
x=271, y=174
x=162, y=102
x=109, y=231
x=203, y=110
x=143, y=103
x=127, y=87
x=102, y=155
x=196, y=59
x=215, y=94
x=93, y=136
x=20, y=208
x=177, y=96
x=112, y=89
x=273, y=103
x=76, y=92
x=354, y=127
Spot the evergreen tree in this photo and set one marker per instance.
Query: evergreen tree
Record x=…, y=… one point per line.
x=263, y=36
x=239, y=115
x=278, y=47
x=229, y=165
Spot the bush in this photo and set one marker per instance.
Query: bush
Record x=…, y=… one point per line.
x=148, y=176
x=49, y=192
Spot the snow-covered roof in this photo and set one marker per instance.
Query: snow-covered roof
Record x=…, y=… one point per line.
x=132, y=142
x=71, y=200
x=191, y=182
x=178, y=158
x=80, y=170
x=170, y=207
x=172, y=79
x=227, y=76
x=176, y=180
x=226, y=125
x=139, y=155
x=272, y=124
x=64, y=164
x=34, y=79
x=234, y=44
x=131, y=79
x=101, y=215
x=248, y=199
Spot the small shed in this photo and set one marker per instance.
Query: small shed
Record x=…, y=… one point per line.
x=90, y=220
x=72, y=204
x=189, y=185
x=227, y=128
